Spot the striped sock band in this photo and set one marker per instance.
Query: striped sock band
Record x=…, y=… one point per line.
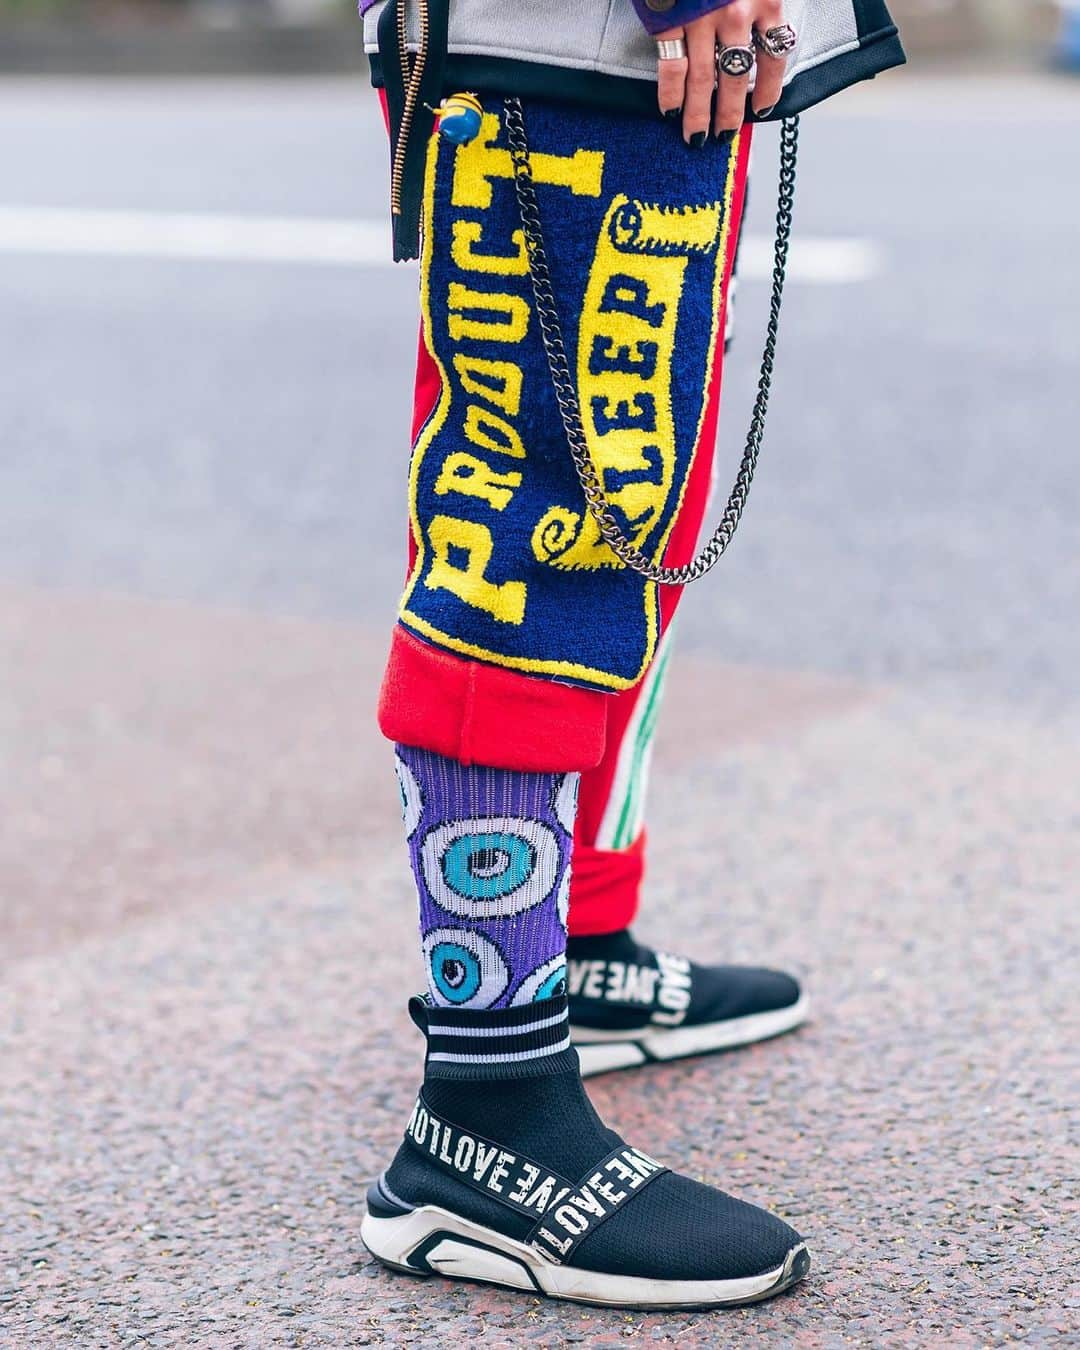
x=500, y=1043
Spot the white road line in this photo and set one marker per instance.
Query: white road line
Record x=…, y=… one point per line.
x=328, y=242
x=822, y=261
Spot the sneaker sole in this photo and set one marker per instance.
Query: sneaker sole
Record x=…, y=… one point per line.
x=433, y=1241
x=602, y=1051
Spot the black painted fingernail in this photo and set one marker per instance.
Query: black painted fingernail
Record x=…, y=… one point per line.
x=765, y=112
x=672, y=113
x=697, y=140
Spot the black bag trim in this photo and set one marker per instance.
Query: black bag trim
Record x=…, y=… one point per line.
x=879, y=50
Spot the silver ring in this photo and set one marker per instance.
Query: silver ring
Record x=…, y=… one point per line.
x=776, y=41
x=671, y=49
x=736, y=61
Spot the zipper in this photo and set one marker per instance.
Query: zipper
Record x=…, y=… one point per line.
x=412, y=72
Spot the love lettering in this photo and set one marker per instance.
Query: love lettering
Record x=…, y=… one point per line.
x=570, y=1218
x=563, y=1213
x=485, y=1166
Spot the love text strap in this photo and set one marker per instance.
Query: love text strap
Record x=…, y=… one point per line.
x=498, y=1172
x=569, y=1219
x=564, y=1214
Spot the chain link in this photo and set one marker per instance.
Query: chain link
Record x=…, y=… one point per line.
x=566, y=391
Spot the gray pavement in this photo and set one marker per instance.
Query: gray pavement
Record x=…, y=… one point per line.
x=868, y=769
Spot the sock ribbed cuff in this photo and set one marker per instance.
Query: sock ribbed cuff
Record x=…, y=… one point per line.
x=523, y=1042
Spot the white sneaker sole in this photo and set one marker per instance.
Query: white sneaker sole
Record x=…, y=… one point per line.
x=602, y=1051
x=433, y=1241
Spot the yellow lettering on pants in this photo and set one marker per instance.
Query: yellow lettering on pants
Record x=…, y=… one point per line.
x=497, y=382
x=505, y=602
x=478, y=162
x=626, y=342
x=466, y=233
x=492, y=432
x=465, y=473
x=511, y=327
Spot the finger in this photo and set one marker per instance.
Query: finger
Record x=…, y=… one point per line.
x=671, y=77
x=769, y=80
x=733, y=26
x=700, y=83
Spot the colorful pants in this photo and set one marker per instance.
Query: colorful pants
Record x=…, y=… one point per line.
x=522, y=642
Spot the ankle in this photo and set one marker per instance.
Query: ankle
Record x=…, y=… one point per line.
x=510, y=1075
x=492, y=1045
x=618, y=946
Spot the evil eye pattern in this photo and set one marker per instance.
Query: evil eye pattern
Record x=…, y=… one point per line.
x=467, y=969
x=490, y=866
x=412, y=798
x=565, y=803
x=546, y=981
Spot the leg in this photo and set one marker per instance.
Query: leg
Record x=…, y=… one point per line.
x=490, y=849
x=628, y=1003
x=515, y=631
x=609, y=843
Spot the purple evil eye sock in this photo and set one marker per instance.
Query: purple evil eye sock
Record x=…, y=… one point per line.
x=490, y=850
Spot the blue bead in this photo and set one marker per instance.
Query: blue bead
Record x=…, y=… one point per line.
x=459, y=119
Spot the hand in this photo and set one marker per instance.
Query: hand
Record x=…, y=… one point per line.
x=690, y=84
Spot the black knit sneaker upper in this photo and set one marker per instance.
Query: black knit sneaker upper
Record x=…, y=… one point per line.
x=517, y=1147
x=615, y=983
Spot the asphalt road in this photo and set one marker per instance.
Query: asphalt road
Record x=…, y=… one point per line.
x=868, y=771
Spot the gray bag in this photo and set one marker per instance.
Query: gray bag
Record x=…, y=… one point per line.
x=601, y=53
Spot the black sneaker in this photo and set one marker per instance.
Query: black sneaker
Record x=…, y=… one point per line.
x=630, y=1005
x=508, y=1176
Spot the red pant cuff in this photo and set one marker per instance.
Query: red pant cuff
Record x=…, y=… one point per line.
x=605, y=888
x=480, y=714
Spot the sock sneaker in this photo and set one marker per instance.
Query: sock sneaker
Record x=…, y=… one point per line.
x=630, y=1005
x=508, y=1176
